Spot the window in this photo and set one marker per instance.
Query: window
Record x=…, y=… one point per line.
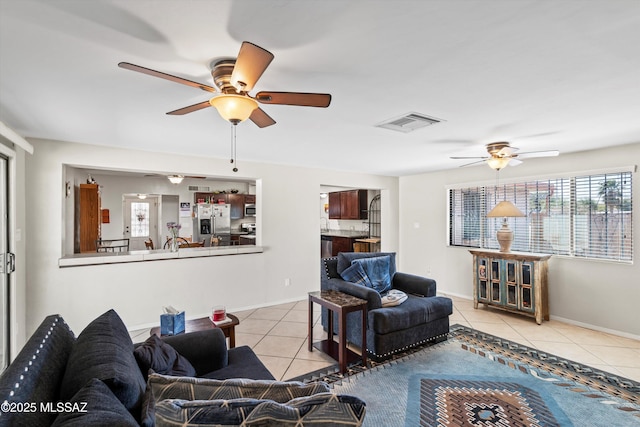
x=583, y=216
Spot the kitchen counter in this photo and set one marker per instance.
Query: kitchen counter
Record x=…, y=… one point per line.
x=345, y=233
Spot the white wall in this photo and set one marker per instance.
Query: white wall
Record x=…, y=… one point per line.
x=602, y=294
x=288, y=231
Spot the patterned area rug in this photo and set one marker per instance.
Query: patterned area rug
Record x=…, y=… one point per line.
x=479, y=401
x=588, y=397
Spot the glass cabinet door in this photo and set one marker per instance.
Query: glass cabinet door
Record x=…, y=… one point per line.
x=512, y=284
x=495, y=281
x=526, y=301
x=483, y=283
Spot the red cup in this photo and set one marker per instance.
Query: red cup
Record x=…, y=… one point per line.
x=219, y=313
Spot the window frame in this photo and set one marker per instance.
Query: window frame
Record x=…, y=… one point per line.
x=567, y=200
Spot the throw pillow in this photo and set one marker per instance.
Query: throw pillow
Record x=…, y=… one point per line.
x=94, y=405
x=104, y=350
x=356, y=274
x=321, y=409
x=156, y=354
x=377, y=269
x=188, y=388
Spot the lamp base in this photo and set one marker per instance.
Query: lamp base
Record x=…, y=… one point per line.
x=505, y=237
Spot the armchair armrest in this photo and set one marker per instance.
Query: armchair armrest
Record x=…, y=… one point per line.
x=359, y=291
x=205, y=350
x=413, y=284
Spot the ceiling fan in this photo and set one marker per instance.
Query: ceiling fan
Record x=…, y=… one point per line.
x=234, y=79
x=502, y=154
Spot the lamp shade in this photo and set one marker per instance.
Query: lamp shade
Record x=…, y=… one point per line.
x=505, y=209
x=234, y=108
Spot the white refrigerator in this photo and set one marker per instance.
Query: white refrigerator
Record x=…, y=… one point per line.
x=212, y=220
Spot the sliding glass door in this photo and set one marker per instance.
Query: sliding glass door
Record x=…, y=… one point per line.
x=6, y=264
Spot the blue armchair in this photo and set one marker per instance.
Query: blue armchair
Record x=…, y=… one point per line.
x=423, y=317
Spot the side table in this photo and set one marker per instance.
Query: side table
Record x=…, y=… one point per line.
x=204, y=323
x=342, y=304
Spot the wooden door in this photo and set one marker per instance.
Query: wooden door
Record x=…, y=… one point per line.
x=89, y=217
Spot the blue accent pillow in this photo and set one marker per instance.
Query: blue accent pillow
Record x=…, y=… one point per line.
x=356, y=274
x=377, y=270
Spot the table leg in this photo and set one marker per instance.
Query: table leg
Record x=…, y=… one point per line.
x=232, y=337
x=364, y=336
x=310, y=333
x=342, y=345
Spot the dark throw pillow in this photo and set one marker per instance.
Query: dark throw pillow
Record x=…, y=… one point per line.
x=356, y=274
x=104, y=350
x=94, y=405
x=156, y=354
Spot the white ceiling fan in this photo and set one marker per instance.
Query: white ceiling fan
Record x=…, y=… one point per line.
x=502, y=154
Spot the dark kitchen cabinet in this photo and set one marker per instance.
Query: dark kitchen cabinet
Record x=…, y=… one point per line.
x=250, y=199
x=350, y=204
x=341, y=244
x=236, y=202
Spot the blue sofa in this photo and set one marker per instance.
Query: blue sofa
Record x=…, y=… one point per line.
x=101, y=378
x=422, y=318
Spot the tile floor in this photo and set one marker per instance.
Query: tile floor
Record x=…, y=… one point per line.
x=278, y=335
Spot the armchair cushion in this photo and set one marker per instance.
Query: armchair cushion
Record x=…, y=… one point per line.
x=156, y=354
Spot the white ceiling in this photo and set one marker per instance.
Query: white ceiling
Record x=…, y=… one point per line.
x=541, y=74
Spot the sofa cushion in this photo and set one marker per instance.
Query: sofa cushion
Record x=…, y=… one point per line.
x=319, y=409
x=104, y=350
x=414, y=311
x=94, y=405
x=356, y=274
x=188, y=388
x=377, y=270
x=156, y=354
x=345, y=259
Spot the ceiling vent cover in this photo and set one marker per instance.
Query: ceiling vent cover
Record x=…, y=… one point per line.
x=409, y=122
x=199, y=188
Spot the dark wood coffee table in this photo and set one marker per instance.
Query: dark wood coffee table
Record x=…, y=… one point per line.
x=342, y=304
x=204, y=323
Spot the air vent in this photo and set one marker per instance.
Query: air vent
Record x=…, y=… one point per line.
x=409, y=122
x=203, y=188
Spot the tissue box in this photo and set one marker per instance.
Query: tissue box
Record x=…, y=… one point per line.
x=172, y=324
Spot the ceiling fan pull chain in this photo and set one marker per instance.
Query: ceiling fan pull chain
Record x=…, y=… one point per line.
x=234, y=159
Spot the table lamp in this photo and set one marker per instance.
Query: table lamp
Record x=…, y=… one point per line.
x=505, y=209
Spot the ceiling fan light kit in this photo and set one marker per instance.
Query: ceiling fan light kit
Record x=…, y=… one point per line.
x=175, y=179
x=234, y=108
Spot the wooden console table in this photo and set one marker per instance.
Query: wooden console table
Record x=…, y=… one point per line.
x=341, y=304
x=512, y=281
x=204, y=323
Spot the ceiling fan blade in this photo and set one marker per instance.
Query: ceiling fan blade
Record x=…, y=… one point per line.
x=251, y=62
x=530, y=154
x=474, y=157
x=175, y=79
x=295, y=98
x=189, y=109
x=261, y=119
x=473, y=163
x=514, y=162
x=506, y=151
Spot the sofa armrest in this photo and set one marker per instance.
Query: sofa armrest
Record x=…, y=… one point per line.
x=359, y=291
x=205, y=350
x=413, y=284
